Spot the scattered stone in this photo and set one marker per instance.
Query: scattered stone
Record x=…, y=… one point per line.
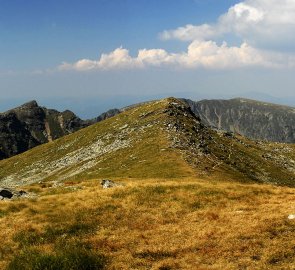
x=6, y=193
x=123, y=127
x=291, y=217
x=109, y=184
x=56, y=184
x=22, y=193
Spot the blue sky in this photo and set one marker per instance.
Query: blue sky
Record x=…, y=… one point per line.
x=40, y=34
x=92, y=55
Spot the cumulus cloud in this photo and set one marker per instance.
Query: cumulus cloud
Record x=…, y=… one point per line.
x=263, y=23
x=119, y=58
x=200, y=54
x=209, y=55
x=263, y=26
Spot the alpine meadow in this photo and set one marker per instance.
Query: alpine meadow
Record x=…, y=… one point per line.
x=147, y=135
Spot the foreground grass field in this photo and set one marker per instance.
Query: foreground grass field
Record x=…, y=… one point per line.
x=183, y=223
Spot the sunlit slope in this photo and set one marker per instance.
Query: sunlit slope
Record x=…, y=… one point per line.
x=184, y=223
x=162, y=139
x=131, y=144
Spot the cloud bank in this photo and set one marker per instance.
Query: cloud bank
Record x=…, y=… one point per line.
x=264, y=27
x=262, y=23
x=200, y=54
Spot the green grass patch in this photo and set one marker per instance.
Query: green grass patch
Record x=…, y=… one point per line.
x=52, y=233
x=3, y=213
x=71, y=257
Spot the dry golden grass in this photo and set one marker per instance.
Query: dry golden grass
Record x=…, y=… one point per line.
x=184, y=223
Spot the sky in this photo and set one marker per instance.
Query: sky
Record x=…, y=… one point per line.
x=93, y=55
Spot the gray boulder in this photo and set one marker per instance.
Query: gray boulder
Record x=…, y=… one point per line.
x=105, y=183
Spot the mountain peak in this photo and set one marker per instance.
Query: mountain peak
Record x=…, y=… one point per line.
x=29, y=125
x=29, y=104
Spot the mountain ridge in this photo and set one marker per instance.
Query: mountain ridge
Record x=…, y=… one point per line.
x=158, y=139
x=254, y=119
x=30, y=125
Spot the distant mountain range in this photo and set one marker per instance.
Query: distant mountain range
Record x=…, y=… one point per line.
x=249, y=118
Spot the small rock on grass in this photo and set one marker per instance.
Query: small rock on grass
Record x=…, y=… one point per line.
x=7, y=193
x=105, y=183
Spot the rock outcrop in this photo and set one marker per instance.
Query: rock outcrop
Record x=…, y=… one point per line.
x=249, y=118
x=30, y=125
x=109, y=184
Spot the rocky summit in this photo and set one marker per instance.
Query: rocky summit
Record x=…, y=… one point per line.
x=250, y=118
x=30, y=125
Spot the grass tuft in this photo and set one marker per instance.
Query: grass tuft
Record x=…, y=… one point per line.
x=71, y=258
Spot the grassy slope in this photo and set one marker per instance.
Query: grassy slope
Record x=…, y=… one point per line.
x=155, y=224
x=247, y=160
x=136, y=146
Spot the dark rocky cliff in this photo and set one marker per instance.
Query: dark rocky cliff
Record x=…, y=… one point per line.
x=250, y=118
x=15, y=136
x=30, y=125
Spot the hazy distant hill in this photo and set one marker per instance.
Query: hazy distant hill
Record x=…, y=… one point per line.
x=250, y=118
x=30, y=125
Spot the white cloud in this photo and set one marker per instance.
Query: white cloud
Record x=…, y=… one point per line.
x=200, y=54
x=192, y=32
x=209, y=55
x=264, y=27
x=263, y=23
x=154, y=57
x=119, y=58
